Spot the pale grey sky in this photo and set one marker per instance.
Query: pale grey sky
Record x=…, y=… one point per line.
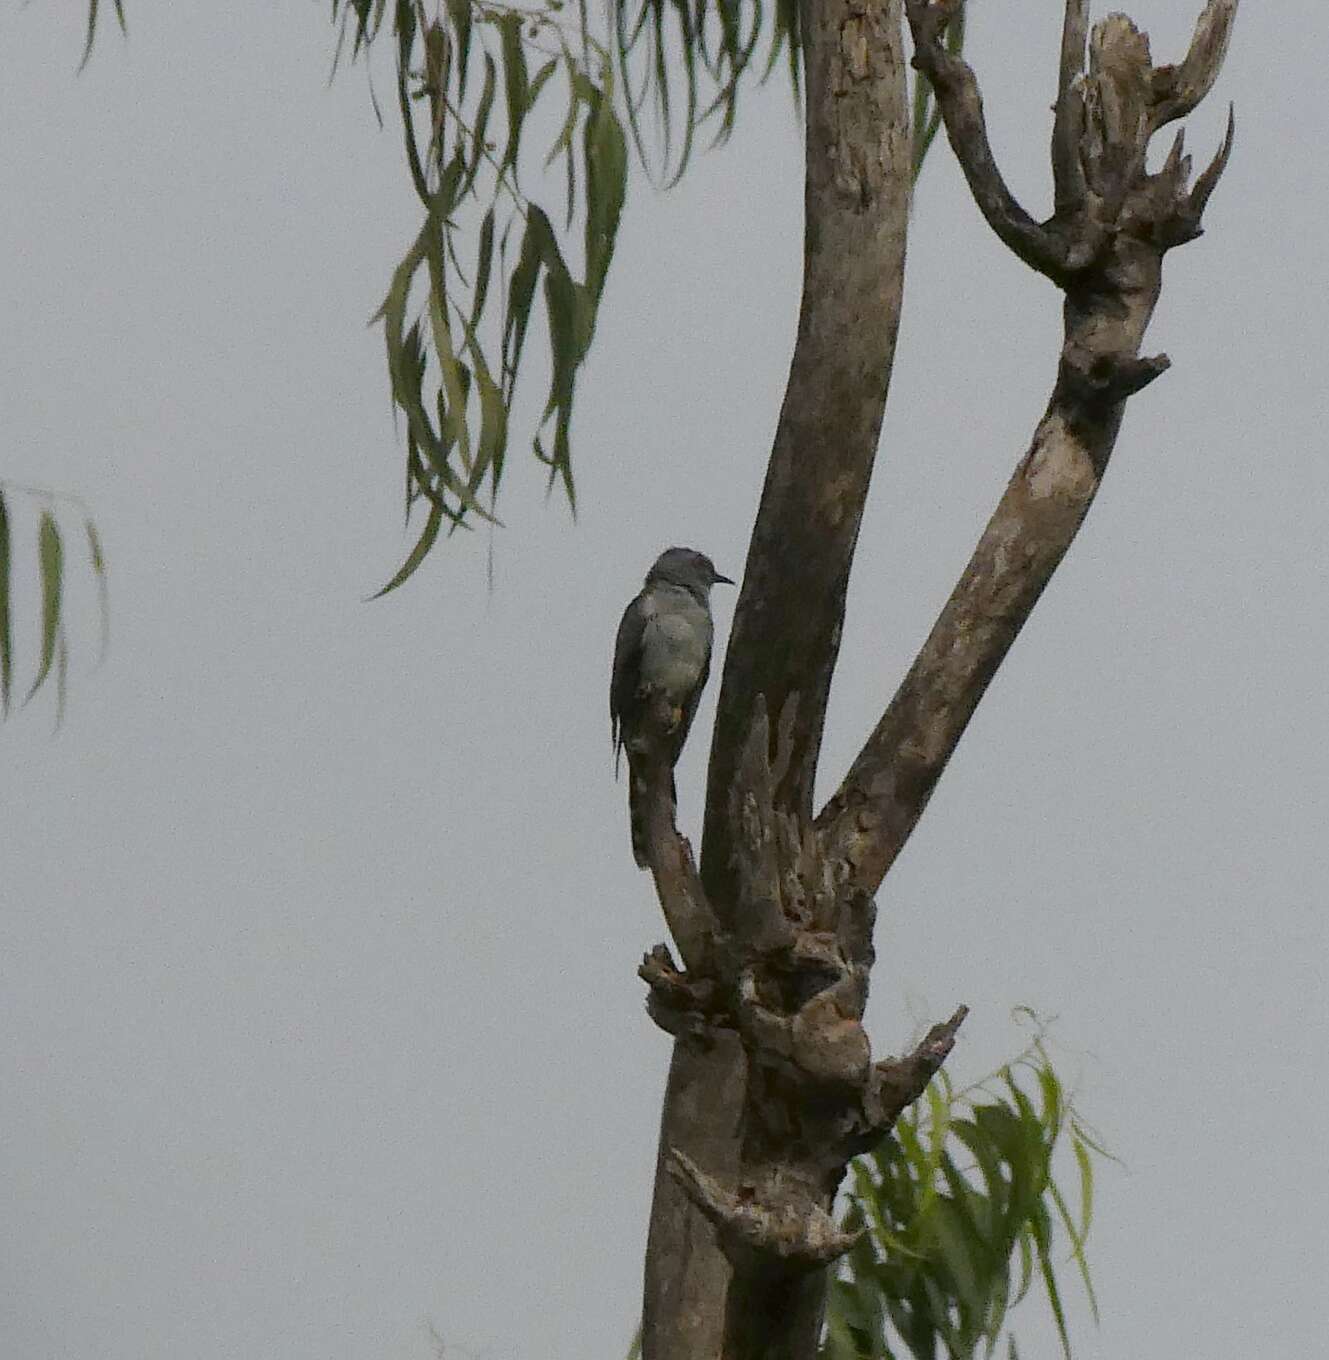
x=318, y=1015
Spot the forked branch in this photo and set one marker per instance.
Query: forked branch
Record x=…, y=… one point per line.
x=1105, y=245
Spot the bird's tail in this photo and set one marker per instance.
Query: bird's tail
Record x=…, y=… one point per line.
x=640, y=772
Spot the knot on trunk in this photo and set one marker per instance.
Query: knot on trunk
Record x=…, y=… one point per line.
x=796, y=959
x=777, y=1219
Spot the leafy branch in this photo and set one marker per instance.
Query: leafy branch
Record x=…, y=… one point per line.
x=468, y=76
x=959, y=1197
x=455, y=335
x=959, y=1211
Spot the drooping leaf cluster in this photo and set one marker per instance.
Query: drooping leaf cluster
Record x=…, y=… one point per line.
x=51, y=655
x=960, y=1214
x=489, y=95
x=469, y=79
x=684, y=62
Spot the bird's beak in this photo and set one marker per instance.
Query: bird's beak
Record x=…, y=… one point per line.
x=721, y=580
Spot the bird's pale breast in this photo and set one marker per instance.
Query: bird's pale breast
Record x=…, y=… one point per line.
x=676, y=642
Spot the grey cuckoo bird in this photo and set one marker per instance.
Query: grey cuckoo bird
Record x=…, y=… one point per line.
x=662, y=657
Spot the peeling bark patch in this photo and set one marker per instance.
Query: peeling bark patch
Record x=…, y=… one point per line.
x=839, y=497
x=1059, y=466
x=854, y=47
x=864, y=63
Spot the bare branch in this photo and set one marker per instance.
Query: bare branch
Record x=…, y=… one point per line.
x=1115, y=238
x=1208, y=179
x=681, y=1005
x=1096, y=383
x=669, y=858
x=961, y=105
x=1074, y=34
x=877, y=806
x=901, y=1081
x=1179, y=89
x=1068, y=120
x=665, y=852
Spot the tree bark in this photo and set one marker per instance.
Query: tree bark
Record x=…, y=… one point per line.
x=687, y=1275
x=856, y=205
x=790, y=611
x=772, y=1088
x=787, y=622
x=1104, y=246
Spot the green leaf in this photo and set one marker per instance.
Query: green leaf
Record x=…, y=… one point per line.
x=61, y=678
x=1026, y=1249
x=417, y=553
x=564, y=138
x=955, y=1239
x=453, y=446
x=479, y=151
x=540, y=80
x=998, y=1305
x=493, y=421
x=980, y=1214
x=405, y=369
x=405, y=42
x=1086, y=1185
x=515, y=83
x=942, y=1250
x=453, y=412
x=1077, y=1246
x=1095, y=1145
x=459, y=11
x=484, y=264
x=606, y=156
x=1053, y=1100
x=6, y=640
x=1053, y=1293
x=93, y=7
x=449, y=192
x=521, y=294
x=869, y=1203
x=50, y=557
x=989, y=1161
x=97, y=558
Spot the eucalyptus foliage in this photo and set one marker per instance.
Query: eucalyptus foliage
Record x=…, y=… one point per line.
x=469, y=77
x=960, y=1214
x=50, y=656
x=490, y=95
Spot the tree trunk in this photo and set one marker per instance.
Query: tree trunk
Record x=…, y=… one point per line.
x=856, y=205
x=772, y=1088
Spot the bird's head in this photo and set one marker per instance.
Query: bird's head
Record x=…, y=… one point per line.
x=688, y=568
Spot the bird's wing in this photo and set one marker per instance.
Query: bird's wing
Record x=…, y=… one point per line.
x=690, y=708
x=627, y=669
